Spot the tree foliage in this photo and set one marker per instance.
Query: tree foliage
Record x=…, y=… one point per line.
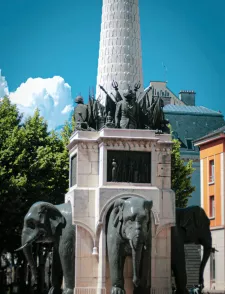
x=33, y=167
x=67, y=131
x=181, y=176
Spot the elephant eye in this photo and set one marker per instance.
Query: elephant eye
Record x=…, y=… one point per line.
x=40, y=213
x=31, y=224
x=130, y=218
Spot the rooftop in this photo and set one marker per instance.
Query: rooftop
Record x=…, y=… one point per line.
x=212, y=135
x=196, y=110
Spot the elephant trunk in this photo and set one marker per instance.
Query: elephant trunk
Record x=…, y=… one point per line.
x=29, y=257
x=206, y=254
x=27, y=240
x=136, y=259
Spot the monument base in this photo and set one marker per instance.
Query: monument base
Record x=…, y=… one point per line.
x=97, y=179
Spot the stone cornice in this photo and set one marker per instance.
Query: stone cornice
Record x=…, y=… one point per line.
x=120, y=137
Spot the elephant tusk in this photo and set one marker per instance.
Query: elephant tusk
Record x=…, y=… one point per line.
x=28, y=243
x=22, y=247
x=131, y=244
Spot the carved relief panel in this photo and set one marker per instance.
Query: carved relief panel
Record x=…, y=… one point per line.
x=128, y=166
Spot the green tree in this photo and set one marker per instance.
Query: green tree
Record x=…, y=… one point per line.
x=67, y=131
x=181, y=176
x=33, y=167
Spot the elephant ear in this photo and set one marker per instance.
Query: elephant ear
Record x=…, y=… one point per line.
x=148, y=206
x=118, y=211
x=51, y=213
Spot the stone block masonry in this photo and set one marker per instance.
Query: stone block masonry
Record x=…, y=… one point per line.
x=93, y=194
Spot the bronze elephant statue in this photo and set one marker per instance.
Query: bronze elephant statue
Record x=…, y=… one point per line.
x=192, y=226
x=129, y=234
x=47, y=223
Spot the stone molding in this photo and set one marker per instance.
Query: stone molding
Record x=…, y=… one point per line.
x=141, y=141
x=108, y=204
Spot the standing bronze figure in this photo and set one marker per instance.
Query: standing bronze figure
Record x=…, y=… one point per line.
x=81, y=113
x=127, y=111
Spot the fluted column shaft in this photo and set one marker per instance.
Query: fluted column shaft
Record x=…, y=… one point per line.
x=120, y=46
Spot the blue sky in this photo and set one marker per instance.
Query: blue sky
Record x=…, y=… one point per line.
x=47, y=38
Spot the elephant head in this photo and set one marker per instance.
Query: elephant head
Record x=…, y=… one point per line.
x=42, y=224
x=132, y=217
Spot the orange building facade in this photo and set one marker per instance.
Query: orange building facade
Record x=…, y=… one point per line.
x=212, y=170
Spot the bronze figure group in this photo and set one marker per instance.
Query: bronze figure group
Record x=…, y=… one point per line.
x=126, y=111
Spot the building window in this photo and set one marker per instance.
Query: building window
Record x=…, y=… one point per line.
x=211, y=171
x=73, y=170
x=189, y=144
x=212, y=267
x=211, y=206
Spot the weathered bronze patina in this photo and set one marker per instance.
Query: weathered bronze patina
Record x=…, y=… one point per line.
x=129, y=233
x=125, y=111
x=48, y=223
x=192, y=226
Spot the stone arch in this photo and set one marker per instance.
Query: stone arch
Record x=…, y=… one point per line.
x=164, y=227
x=86, y=228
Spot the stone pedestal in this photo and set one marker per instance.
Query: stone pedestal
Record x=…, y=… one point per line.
x=92, y=195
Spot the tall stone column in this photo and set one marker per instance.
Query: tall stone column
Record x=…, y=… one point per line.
x=120, y=46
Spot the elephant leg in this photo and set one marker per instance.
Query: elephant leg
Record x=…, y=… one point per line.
x=57, y=274
x=67, y=257
x=116, y=256
x=178, y=263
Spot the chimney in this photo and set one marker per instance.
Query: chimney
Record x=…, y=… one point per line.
x=188, y=97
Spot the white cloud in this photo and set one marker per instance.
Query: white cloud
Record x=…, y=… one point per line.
x=67, y=108
x=52, y=96
x=4, y=91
